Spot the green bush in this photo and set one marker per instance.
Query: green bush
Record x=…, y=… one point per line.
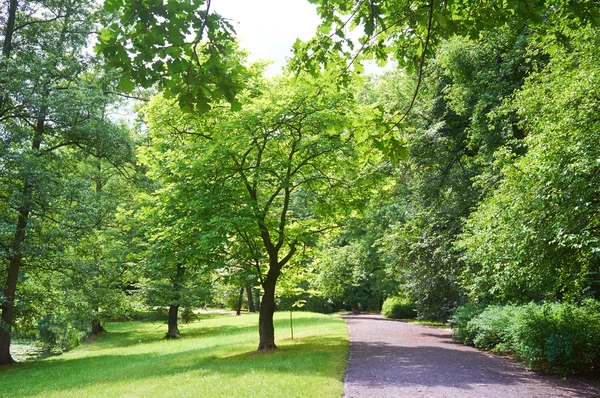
x=58, y=335
x=459, y=321
x=398, y=308
x=491, y=328
x=557, y=337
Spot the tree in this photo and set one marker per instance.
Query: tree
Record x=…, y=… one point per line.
x=535, y=235
x=171, y=258
x=452, y=135
x=277, y=170
x=409, y=32
x=49, y=116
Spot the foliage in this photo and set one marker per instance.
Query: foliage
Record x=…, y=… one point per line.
x=215, y=350
x=410, y=31
x=58, y=333
x=345, y=274
x=452, y=135
x=557, y=337
x=535, y=236
x=190, y=51
x=398, y=308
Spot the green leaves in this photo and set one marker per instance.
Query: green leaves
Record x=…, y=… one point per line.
x=184, y=49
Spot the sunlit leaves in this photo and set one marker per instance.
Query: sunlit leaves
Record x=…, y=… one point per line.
x=182, y=46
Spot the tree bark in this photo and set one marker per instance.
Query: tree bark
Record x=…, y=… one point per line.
x=355, y=309
x=173, y=332
x=97, y=327
x=251, y=307
x=10, y=28
x=239, y=303
x=266, y=329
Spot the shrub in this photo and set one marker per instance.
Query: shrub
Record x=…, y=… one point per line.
x=398, y=308
x=491, y=327
x=58, y=335
x=461, y=318
x=556, y=337
x=559, y=337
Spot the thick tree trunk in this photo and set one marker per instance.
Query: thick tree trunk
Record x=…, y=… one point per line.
x=173, y=332
x=7, y=310
x=355, y=309
x=97, y=327
x=10, y=28
x=250, y=299
x=239, y=303
x=267, y=309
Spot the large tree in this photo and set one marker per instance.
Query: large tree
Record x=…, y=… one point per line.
x=276, y=170
x=52, y=109
x=535, y=236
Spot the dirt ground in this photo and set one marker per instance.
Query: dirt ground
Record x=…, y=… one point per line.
x=398, y=359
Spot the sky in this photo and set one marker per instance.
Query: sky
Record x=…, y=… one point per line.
x=269, y=28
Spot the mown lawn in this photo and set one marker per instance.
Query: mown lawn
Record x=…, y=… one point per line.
x=216, y=357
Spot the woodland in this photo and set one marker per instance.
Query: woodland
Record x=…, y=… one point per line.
x=463, y=183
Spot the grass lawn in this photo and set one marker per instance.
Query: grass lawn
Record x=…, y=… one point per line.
x=434, y=324
x=216, y=357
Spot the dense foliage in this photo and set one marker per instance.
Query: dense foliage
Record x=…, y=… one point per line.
x=558, y=337
x=398, y=308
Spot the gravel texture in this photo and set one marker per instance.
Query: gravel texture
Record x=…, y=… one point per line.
x=398, y=359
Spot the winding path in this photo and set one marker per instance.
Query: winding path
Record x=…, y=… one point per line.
x=399, y=359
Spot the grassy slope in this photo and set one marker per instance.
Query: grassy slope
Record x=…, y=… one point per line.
x=215, y=358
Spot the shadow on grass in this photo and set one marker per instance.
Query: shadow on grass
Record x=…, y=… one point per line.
x=310, y=355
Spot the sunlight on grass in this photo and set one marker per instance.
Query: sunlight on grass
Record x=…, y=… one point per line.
x=216, y=357
x=435, y=324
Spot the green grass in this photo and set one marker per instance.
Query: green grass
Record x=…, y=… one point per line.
x=435, y=324
x=216, y=357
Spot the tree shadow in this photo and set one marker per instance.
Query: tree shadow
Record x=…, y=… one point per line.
x=68, y=374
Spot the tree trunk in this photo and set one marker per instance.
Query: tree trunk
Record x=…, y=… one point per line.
x=239, y=304
x=10, y=29
x=8, y=308
x=355, y=309
x=257, y=301
x=173, y=332
x=266, y=329
x=97, y=327
x=15, y=261
x=250, y=300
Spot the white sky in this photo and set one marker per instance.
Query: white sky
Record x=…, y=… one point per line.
x=269, y=28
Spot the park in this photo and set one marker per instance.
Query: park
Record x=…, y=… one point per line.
x=401, y=199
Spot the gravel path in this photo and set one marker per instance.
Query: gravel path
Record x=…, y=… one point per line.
x=399, y=359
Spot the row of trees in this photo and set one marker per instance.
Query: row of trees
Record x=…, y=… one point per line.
x=231, y=178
